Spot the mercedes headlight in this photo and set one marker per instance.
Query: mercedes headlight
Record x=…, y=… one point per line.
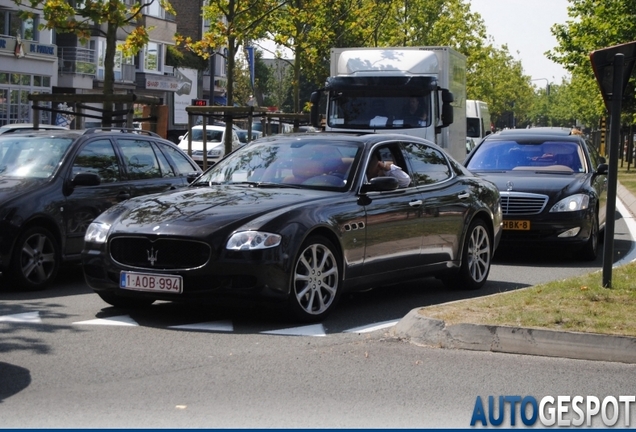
x=97, y=232
x=571, y=203
x=253, y=240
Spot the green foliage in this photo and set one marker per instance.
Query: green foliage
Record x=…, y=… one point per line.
x=184, y=59
x=594, y=24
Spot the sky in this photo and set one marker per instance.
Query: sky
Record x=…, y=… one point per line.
x=523, y=25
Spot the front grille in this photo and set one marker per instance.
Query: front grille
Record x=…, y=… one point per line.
x=159, y=253
x=521, y=203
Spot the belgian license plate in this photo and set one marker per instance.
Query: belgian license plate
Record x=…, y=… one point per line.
x=151, y=282
x=519, y=225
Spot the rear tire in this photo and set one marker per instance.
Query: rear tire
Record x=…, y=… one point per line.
x=476, y=259
x=35, y=259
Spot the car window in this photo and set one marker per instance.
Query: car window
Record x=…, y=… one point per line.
x=98, y=157
x=141, y=162
x=183, y=164
x=166, y=168
x=29, y=157
x=211, y=134
x=428, y=165
x=552, y=155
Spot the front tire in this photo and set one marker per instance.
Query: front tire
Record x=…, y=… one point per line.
x=36, y=259
x=476, y=259
x=316, y=282
x=589, y=251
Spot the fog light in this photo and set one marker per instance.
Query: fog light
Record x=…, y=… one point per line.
x=573, y=232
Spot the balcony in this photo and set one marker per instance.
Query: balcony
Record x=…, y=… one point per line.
x=75, y=60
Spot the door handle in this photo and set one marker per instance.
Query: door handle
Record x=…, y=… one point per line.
x=463, y=195
x=415, y=203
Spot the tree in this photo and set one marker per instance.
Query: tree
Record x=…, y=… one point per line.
x=84, y=18
x=595, y=24
x=232, y=23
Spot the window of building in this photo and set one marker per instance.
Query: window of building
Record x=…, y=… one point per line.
x=12, y=25
x=153, y=57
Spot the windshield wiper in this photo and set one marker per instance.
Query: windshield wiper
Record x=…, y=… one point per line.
x=268, y=184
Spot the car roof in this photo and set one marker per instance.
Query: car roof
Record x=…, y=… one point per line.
x=209, y=126
x=540, y=133
x=364, y=138
x=549, y=130
x=28, y=126
x=75, y=133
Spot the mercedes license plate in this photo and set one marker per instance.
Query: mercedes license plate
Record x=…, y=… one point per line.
x=519, y=225
x=151, y=282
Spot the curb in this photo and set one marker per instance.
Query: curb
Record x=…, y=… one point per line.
x=420, y=330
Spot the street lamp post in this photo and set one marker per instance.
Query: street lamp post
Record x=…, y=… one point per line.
x=547, y=84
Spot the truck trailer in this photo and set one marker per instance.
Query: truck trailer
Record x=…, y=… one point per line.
x=419, y=91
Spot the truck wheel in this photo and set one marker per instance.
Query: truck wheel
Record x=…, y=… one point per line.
x=35, y=259
x=476, y=259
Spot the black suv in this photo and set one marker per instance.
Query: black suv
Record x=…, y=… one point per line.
x=54, y=183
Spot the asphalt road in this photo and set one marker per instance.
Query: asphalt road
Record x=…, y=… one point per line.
x=67, y=359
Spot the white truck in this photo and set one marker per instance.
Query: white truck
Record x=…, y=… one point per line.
x=375, y=90
x=478, y=123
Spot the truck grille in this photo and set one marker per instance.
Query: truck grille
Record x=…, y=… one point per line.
x=173, y=254
x=521, y=203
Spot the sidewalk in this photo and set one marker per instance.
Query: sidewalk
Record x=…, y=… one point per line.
x=420, y=330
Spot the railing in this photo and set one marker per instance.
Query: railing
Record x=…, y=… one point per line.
x=76, y=61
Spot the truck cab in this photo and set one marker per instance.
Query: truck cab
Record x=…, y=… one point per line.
x=416, y=91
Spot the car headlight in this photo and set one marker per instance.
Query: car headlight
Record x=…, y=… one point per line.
x=571, y=203
x=252, y=240
x=97, y=232
x=214, y=153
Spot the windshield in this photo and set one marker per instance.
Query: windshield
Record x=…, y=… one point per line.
x=543, y=156
x=212, y=135
x=30, y=157
x=358, y=110
x=295, y=163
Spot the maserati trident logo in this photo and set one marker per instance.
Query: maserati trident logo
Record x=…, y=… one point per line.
x=152, y=255
x=510, y=185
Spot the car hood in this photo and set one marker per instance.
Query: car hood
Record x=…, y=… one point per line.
x=199, y=211
x=542, y=183
x=13, y=187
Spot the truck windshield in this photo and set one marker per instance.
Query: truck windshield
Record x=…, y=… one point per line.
x=363, y=110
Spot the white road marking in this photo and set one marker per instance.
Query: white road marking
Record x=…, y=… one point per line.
x=123, y=320
x=26, y=317
x=310, y=330
x=224, y=326
x=372, y=327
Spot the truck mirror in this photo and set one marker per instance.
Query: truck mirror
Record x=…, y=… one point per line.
x=447, y=108
x=313, y=111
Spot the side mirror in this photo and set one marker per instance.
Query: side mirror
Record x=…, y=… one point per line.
x=86, y=179
x=447, y=108
x=602, y=169
x=380, y=184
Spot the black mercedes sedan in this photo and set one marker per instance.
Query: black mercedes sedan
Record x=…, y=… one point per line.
x=295, y=219
x=552, y=184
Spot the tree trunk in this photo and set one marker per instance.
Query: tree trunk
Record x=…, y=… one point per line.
x=109, y=64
